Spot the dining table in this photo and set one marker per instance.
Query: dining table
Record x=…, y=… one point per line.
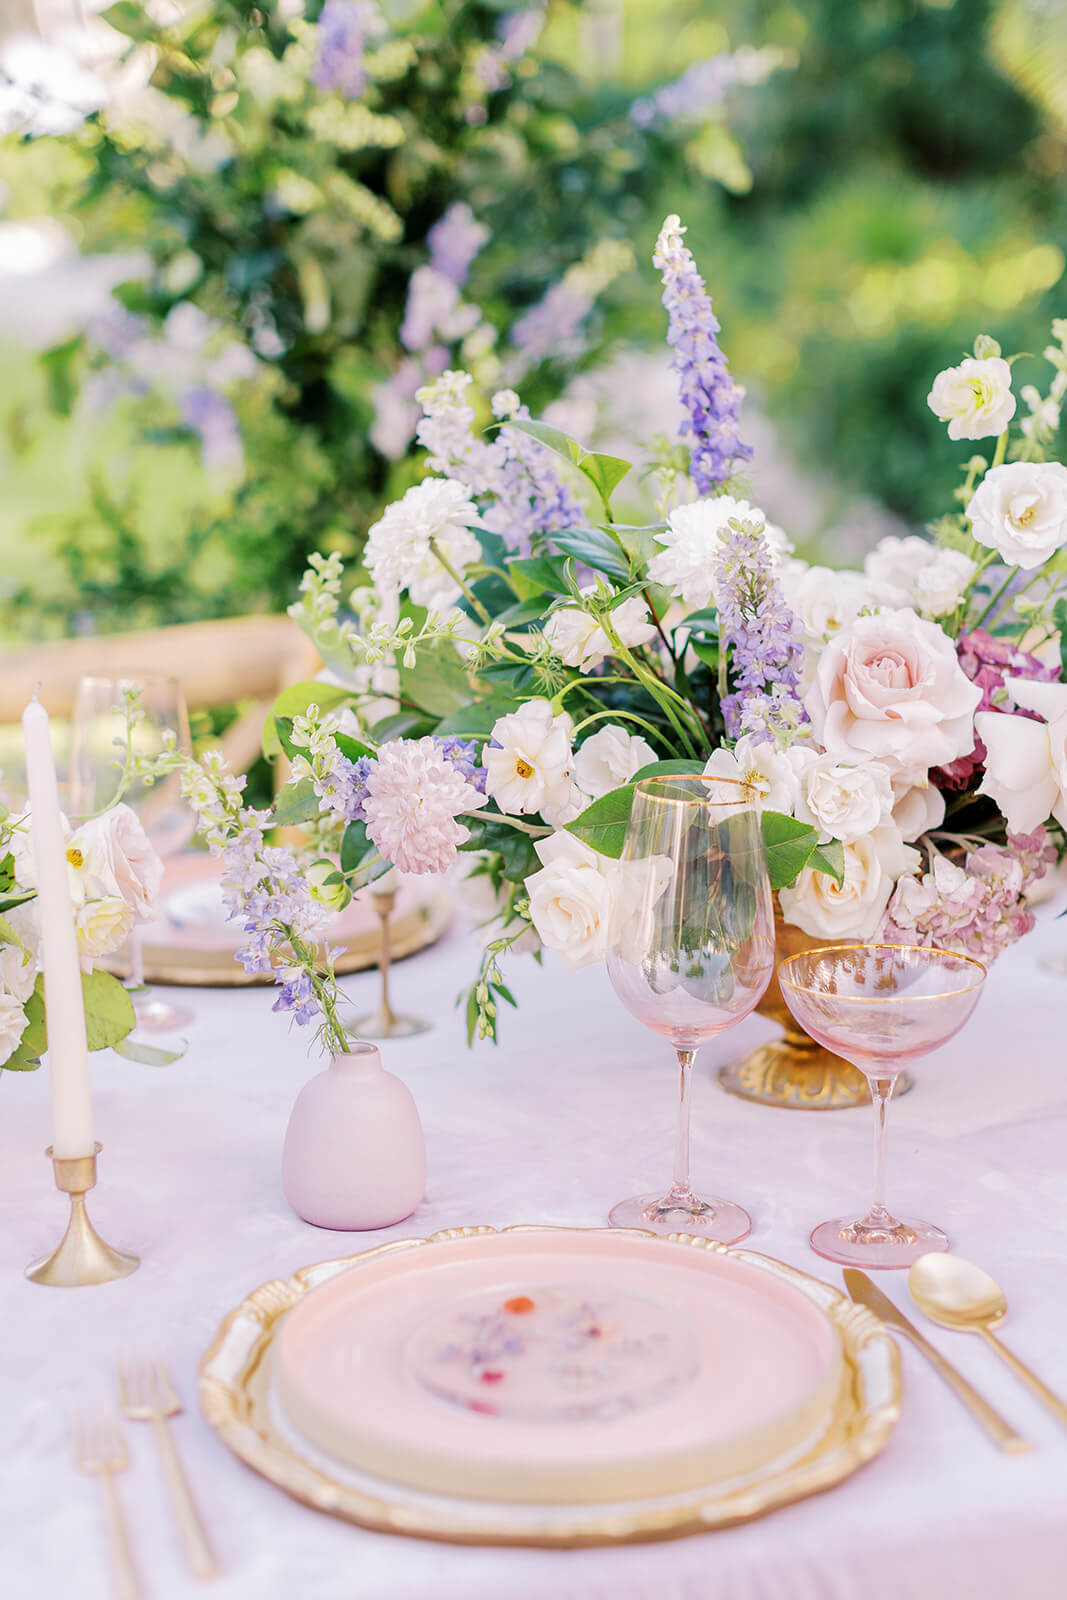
x=573, y=1110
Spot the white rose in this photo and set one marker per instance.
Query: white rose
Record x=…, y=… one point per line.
x=913, y=571
x=845, y=801
x=690, y=543
x=1026, y=761
x=774, y=775
x=918, y=806
x=583, y=643
x=18, y=972
x=609, y=759
x=102, y=926
x=572, y=900
x=975, y=398
x=12, y=1026
x=531, y=764
x=890, y=688
x=118, y=859
x=825, y=600
x=1020, y=511
x=565, y=803
x=855, y=909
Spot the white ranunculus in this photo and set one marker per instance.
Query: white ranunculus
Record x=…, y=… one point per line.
x=572, y=900
x=774, y=775
x=845, y=801
x=18, y=972
x=825, y=600
x=918, y=806
x=1026, y=761
x=913, y=571
x=102, y=926
x=975, y=398
x=583, y=642
x=12, y=1026
x=609, y=758
x=118, y=858
x=890, y=688
x=1020, y=511
x=531, y=764
x=686, y=563
x=436, y=514
x=855, y=909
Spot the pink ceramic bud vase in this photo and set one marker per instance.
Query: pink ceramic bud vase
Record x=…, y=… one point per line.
x=354, y=1154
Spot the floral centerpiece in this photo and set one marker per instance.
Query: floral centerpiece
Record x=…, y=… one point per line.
x=519, y=657
x=114, y=876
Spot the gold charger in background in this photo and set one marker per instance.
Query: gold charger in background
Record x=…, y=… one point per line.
x=235, y=1399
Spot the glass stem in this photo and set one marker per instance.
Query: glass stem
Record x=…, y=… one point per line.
x=680, y=1183
x=881, y=1094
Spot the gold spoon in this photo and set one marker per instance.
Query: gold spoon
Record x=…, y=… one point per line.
x=958, y=1294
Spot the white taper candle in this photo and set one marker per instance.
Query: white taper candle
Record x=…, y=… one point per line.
x=68, y=1056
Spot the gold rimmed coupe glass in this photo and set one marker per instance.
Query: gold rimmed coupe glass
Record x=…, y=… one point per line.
x=883, y=1007
x=693, y=953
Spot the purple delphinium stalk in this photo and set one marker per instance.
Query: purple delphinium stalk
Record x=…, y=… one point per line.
x=702, y=86
x=455, y=240
x=345, y=28
x=764, y=638
x=708, y=393
x=464, y=756
x=262, y=887
x=211, y=415
x=532, y=500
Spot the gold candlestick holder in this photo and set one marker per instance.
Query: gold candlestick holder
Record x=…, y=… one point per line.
x=81, y=1256
x=384, y=1022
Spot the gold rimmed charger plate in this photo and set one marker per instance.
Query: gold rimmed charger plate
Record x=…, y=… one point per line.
x=236, y=1401
x=207, y=967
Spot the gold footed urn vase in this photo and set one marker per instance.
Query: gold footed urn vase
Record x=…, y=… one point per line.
x=795, y=1071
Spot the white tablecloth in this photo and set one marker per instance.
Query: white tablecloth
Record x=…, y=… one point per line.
x=573, y=1112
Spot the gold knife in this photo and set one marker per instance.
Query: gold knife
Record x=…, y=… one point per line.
x=864, y=1293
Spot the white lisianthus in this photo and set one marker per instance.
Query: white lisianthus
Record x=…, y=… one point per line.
x=102, y=926
x=572, y=900
x=890, y=688
x=117, y=858
x=913, y=571
x=845, y=801
x=528, y=759
x=855, y=908
x=1020, y=511
x=686, y=563
x=918, y=805
x=1026, y=761
x=583, y=643
x=12, y=1026
x=975, y=398
x=609, y=759
x=774, y=775
x=435, y=515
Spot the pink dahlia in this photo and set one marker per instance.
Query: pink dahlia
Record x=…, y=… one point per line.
x=413, y=797
x=987, y=662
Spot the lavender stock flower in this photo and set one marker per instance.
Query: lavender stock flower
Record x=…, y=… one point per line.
x=765, y=639
x=707, y=390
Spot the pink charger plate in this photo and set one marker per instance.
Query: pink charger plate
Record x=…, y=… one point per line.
x=759, y=1367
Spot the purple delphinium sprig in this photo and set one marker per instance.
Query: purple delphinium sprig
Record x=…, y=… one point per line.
x=345, y=27
x=708, y=393
x=454, y=241
x=764, y=639
x=464, y=756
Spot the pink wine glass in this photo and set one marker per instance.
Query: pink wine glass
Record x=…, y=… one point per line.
x=882, y=1007
x=693, y=953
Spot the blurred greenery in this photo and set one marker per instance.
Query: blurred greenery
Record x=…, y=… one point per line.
x=892, y=190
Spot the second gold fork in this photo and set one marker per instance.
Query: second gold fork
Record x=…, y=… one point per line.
x=146, y=1394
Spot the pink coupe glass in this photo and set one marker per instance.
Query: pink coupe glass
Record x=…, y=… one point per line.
x=882, y=1007
x=694, y=951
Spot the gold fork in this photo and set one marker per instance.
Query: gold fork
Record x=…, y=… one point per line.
x=100, y=1449
x=146, y=1394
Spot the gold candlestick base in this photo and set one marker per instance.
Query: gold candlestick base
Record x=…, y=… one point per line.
x=81, y=1256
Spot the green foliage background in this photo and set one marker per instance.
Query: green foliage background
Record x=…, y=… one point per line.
x=859, y=217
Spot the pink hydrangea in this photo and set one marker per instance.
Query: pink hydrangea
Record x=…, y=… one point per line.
x=987, y=662
x=414, y=795
x=978, y=907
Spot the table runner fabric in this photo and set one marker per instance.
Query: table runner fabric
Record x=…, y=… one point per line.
x=572, y=1113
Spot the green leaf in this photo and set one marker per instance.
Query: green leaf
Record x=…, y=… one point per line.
x=400, y=725
x=352, y=749
x=515, y=848
x=437, y=683
x=523, y=613
x=554, y=438
x=669, y=769
x=109, y=1014
x=34, y=1041
x=476, y=720
x=149, y=1055
x=355, y=846
x=829, y=858
x=789, y=845
x=532, y=575
x=1059, y=617
x=605, y=473
x=594, y=549
x=297, y=802
x=603, y=825
x=10, y=901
